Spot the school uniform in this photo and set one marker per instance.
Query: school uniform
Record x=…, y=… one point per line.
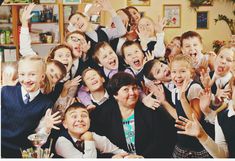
x=139, y=75
x=69, y=147
x=20, y=117
x=188, y=146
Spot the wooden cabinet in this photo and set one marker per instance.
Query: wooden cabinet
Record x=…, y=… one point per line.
x=41, y=24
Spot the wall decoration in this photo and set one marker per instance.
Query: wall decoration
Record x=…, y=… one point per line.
x=87, y=1
x=173, y=15
x=138, y=2
x=71, y=1
x=202, y=20
x=47, y=1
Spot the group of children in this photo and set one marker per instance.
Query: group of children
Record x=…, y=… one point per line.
x=55, y=95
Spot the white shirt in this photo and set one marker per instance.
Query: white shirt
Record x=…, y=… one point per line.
x=221, y=81
x=66, y=149
x=102, y=100
x=32, y=95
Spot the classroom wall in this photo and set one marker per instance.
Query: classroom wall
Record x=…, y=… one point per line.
x=220, y=31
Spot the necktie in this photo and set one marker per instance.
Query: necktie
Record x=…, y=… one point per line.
x=26, y=98
x=80, y=146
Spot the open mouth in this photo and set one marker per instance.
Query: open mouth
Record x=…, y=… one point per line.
x=112, y=63
x=220, y=69
x=167, y=73
x=179, y=82
x=137, y=63
x=94, y=82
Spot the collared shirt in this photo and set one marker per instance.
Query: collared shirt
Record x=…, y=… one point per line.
x=169, y=85
x=221, y=81
x=74, y=67
x=109, y=73
x=102, y=100
x=31, y=94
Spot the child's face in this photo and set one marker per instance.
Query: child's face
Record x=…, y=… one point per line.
x=79, y=22
x=53, y=73
x=134, y=14
x=134, y=56
x=180, y=71
x=174, y=43
x=108, y=58
x=223, y=62
x=77, y=122
x=146, y=27
x=161, y=72
x=30, y=75
x=64, y=56
x=127, y=96
x=192, y=47
x=93, y=80
x=77, y=42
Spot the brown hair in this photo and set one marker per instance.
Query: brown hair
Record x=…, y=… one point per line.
x=74, y=32
x=129, y=43
x=97, y=50
x=189, y=34
x=87, y=70
x=74, y=106
x=76, y=13
x=51, y=55
x=60, y=66
x=228, y=47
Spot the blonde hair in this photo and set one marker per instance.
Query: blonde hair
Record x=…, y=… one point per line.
x=228, y=47
x=33, y=59
x=150, y=19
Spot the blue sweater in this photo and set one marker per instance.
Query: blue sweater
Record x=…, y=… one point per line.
x=19, y=120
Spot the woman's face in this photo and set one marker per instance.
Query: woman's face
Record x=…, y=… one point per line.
x=135, y=15
x=127, y=96
x=79, y=22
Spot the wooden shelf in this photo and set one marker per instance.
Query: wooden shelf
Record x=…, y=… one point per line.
x=7, y=45
x=14, y=4
x=32, y=23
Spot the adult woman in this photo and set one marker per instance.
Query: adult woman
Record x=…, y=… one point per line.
x=127, y=122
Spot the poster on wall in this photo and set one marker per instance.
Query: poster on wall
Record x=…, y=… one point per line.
x=172, y=13
x=202, y=20
x=71, y=1
x=138, y=2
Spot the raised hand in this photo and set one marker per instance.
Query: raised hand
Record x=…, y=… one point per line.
x=94, y=9
x=150, y=102
x=148, y=56
x=74, y=82
x=160, y=24
x=50, y=120
x=205, y=100
x=184, y=87
x=222, y=93
x=26, y=15
x=205, y=78
x=143, y=38
x=188, y=127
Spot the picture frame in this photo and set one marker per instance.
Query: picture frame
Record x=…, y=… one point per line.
x=138, y=2
x=202, y=20
x=87, y=1
x=196, y=3
x=172, y=12
x=71, y=1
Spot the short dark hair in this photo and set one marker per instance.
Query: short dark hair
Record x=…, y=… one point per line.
x=189, y=34
x=129, y=43
x=148, y=67
x=87, y=70
x=119, y=80
x=74, y=106
x=97, y=50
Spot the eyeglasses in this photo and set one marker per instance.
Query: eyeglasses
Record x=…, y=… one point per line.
x=75, y=39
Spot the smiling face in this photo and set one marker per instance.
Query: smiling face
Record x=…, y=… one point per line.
x=53, y=73
x=93, y=80
x=161, y=72
x=64, y=56
x=135, y=15
x=146, y=27
x=107, y=58
x=224, y=61
x=79, y=22
x=192, y=46
x=77, y=121
x=134, y=56
x=180, y=71
x=77, y=42
x=30, y=75
x=127, y=96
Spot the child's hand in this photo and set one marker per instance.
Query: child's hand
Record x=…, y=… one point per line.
x=51, y=119
x=85, y=46
x=205, y=78
x=150, y=102
x=87, y=136
x=205, y=100
x=8, y=78
x=143, y=38
x=191, y=128
x=133, y=156
x=160, y=24
x=148, y=56
x=26, y=15
x=222, y=93
x=94, y=9
x=184, y=87
x=106, y=5
x=90, y=107
x=74, y=82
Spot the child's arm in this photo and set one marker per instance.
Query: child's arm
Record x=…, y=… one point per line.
x=25, y=40
x=193, y=106
x=159, y=47
x=66, y=149
x=217, y=148
x=104, y=145
x=120, y=29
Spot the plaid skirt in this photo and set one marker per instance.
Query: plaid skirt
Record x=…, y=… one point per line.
x=179, y=152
